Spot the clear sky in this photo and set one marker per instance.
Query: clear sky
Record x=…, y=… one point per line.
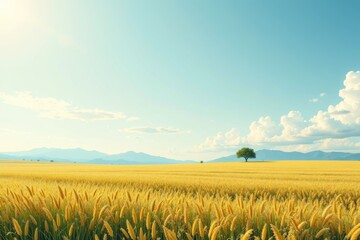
x=180, y=79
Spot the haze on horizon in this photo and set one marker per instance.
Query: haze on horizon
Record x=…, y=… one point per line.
x=180, y=79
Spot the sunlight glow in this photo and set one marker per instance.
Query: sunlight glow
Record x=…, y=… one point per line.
x=17, y=21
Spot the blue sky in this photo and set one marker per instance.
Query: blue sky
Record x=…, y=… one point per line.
x=181, y=79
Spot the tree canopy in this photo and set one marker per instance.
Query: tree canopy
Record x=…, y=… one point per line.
x=246, y=153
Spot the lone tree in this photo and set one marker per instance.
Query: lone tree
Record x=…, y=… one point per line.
x=246, y=153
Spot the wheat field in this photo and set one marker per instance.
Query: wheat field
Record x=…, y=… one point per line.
x=255, y=200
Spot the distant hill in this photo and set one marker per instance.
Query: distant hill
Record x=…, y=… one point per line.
x=131, y=158
x=84, y=156
x=61, y=155
x=5, y=156
x=136, y=158
x=266, y=155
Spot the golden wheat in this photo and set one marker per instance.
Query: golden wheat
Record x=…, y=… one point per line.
x=298, y=200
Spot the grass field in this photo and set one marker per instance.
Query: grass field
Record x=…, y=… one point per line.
x=263, y=200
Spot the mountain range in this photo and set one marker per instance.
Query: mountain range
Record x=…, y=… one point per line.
x=79, y=155
x=269, y=155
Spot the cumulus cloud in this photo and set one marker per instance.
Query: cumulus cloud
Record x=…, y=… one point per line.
x=262, y=130
x=152, y=130
x=292, y=125
x=59, y=109
x=336, y=125
x=323, y=125
x=349, y=107
x=221, y=141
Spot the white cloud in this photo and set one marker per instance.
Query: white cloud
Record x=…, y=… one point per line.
x=262, y=130
x=336, y=125
x=339, y=144
x=59, y=109
x=348, y=110
x=152, y=130
x=323, y=125
x=327, y=144
x=221, y=141
x=314, y=100
x=292, y=125
x=289, y=129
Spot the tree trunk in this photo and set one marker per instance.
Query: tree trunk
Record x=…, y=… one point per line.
x=246, y=159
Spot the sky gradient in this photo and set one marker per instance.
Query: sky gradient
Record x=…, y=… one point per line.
x=180, y=79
